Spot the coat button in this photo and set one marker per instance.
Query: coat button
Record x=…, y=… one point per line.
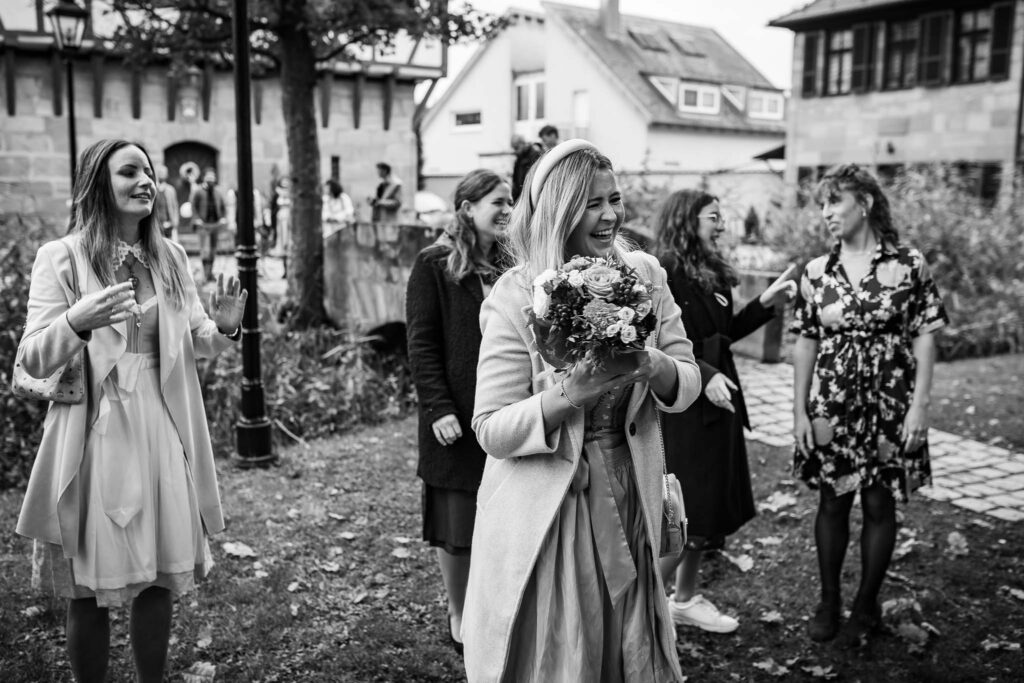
x=632, y=429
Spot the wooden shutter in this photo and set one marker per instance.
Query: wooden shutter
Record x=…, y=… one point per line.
x=812, y=65
x=935, y=48
x=863, y=52
x=1002, y=40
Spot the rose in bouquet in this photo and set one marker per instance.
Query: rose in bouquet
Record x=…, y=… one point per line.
x=591, y=309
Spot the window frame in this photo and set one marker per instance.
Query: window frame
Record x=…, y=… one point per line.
x=530, y=82
x=467, y=127
x=701, y=89
x=908, y=48
x=845, y=54
x=766, y=97
x=975, y=37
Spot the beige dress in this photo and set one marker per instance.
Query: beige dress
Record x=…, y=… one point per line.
x=140, y=523
x=588, y=612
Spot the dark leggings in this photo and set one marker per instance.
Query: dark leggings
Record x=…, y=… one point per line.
x=877, y=539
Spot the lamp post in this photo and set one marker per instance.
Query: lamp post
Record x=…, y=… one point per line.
x=253, y=428
x=68, y=21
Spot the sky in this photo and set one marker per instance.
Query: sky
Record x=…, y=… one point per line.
x=741, y=22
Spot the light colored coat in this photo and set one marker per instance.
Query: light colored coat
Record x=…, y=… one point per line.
x=50, y=511
x=528, y=471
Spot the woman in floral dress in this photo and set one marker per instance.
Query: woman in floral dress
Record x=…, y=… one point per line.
x=866, y=316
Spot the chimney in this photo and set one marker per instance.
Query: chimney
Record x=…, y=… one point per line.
x=611, y=22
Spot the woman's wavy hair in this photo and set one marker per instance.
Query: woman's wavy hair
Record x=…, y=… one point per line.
x=460, y=238
x=94, y=215
x=676, y=226
x=862, y=184
x=537, y=236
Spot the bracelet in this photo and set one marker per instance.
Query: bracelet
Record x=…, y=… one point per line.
x=564, y=395
x=234, y=336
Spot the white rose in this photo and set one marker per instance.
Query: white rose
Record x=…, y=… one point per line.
x=627, y=334
x=541, y=301
x=642, y=309
x=545, y=277
x=612, y=329
x=576, y=278
x=626, y=314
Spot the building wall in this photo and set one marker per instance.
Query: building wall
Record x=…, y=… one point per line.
x=969, y=122
x=681, y=150
x=34, y=171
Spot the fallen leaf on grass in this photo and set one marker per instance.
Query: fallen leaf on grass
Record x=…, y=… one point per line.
x=359, y=596
x=956, y=544
x=294, y=586
x=294, y=607
x=260, y=574
x=205, y=638
x=992, y=643
x=825, y=672
x=982, y=523
x=331, y=567
x=336, y=517
x=402, y=539
x=200, y=672
x=401, y=553
x=744, y=562
x=772, y=667
x=238, y=549
x=769, y=540
x=773, y=617
x=1014, y=592
x=777, y=501
x=293, y=513
x=32, y=611
x=347, y=535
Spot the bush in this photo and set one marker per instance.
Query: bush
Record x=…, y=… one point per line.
x=974, y=252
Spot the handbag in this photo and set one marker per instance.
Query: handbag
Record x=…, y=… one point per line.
x=673, y=517
x=67, y=385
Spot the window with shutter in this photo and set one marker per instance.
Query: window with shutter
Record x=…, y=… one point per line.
x=863, y=53
x=973, y=45
x=901, y=54
x=809, y=82
x=839, y=62
x=935, y=47
x=1002, y=40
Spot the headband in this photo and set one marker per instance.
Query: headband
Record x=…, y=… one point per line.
x=548, y=161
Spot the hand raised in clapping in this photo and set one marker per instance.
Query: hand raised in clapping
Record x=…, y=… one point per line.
x=105, y=307
x=227, y=303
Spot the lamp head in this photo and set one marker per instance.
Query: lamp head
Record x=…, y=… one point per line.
x=68, y=20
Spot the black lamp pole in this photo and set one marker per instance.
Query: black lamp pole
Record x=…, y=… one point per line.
x=72, y=138
x=69, y=21
x=253, y=428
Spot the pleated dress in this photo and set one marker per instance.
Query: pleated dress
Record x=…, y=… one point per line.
x=589, y=609
x=140, y=521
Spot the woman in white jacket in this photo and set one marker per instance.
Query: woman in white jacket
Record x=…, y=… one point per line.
x=123, y=491
x=564, y=583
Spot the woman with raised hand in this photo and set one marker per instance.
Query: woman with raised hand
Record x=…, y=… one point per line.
x=564, y=583
x=123, y=492
x=447, y=285
x=866, y=317
x=704, y=444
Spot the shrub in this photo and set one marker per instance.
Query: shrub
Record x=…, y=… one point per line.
x=974, y=252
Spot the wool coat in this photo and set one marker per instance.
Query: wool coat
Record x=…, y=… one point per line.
x=528, y=469
x=704, y=444
x=443, y=329
x=50, y=511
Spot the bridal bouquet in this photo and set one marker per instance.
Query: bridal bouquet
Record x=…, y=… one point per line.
x=593, y=309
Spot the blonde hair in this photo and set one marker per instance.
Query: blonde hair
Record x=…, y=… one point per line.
x=537, y=236
x=94, y=215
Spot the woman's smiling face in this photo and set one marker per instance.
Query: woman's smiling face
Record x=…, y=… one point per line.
x=596, y=232
x=491, y=212
x=131, y=180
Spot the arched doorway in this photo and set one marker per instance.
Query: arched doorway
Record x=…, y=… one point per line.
x=178, y=158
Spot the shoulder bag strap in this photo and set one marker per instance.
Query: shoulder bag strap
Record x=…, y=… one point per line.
x=74, y=272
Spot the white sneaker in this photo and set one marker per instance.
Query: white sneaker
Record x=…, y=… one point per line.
x=700, y=613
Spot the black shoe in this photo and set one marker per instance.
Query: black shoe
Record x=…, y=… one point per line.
x=456, y=645
x=858, y=628
x=824, y=625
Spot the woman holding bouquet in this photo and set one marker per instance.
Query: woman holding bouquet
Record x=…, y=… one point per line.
x=123, y=492
x=706, y=449
x=564, y=583
x=448, y=282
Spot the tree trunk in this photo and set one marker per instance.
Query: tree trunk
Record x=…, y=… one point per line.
x=298, y=80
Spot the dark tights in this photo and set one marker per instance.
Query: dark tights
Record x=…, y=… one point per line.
x=877, y=538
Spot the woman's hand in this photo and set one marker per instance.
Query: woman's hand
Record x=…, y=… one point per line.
x=227, y=303
x=719, y=391
x=103, y=308
x=782, y=290
x=915, y=427
x=447, y=430
x=802, y=433
x=585, y=384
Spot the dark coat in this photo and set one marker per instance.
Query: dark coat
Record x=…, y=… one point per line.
x=525, y=159
x=200, y=203
x=704, y=445
x=443, y=328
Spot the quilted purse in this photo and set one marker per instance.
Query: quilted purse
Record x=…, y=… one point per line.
x=67, y=385
x=673, y=522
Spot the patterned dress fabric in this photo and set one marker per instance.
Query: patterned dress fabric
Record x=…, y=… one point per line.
x=864, y=374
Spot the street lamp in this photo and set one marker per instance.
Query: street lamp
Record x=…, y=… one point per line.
x=68, y=21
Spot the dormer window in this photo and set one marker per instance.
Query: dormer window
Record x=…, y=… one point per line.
x=690, y=98
x=764, y=105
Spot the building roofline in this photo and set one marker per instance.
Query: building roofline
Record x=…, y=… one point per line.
x=825, y=16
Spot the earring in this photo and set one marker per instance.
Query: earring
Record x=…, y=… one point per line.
x=863, y=213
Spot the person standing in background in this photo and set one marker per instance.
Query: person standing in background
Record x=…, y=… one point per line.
x=166, y=205
x=388, y=199
x=338, y=211
x=209, y=215
x=526, y=156
x=548, y=136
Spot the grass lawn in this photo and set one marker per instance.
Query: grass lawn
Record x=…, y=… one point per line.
x=341, y=589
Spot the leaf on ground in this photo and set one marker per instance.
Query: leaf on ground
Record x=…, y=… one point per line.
x=331, y=567
x=402, y=539
x=956, y=544
x=776, y=501
x=769, y=540
x=294, y=607
x=260, y=574
x=200, y=672
x=992, y=643
x=238, y=549
x=294, y=586
x=982, y=523
x=293, y=513
x=347, y=535
x=32, y=611
x=772, y=667
x=744, y=562
x=359, y=595
x=825, y=672
x=336, y=517
x=401, y=553
x=205, y=638
x=1013, y=592
x=772, y=617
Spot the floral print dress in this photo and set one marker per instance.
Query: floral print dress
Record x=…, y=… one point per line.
x=865, y=369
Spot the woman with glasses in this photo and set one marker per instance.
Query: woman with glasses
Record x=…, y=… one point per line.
x=704, y=444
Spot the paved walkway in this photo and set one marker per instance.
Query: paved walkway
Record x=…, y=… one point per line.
x=970, y=474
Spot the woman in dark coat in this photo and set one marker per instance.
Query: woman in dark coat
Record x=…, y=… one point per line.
x=704, y=445
x=447, y=285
